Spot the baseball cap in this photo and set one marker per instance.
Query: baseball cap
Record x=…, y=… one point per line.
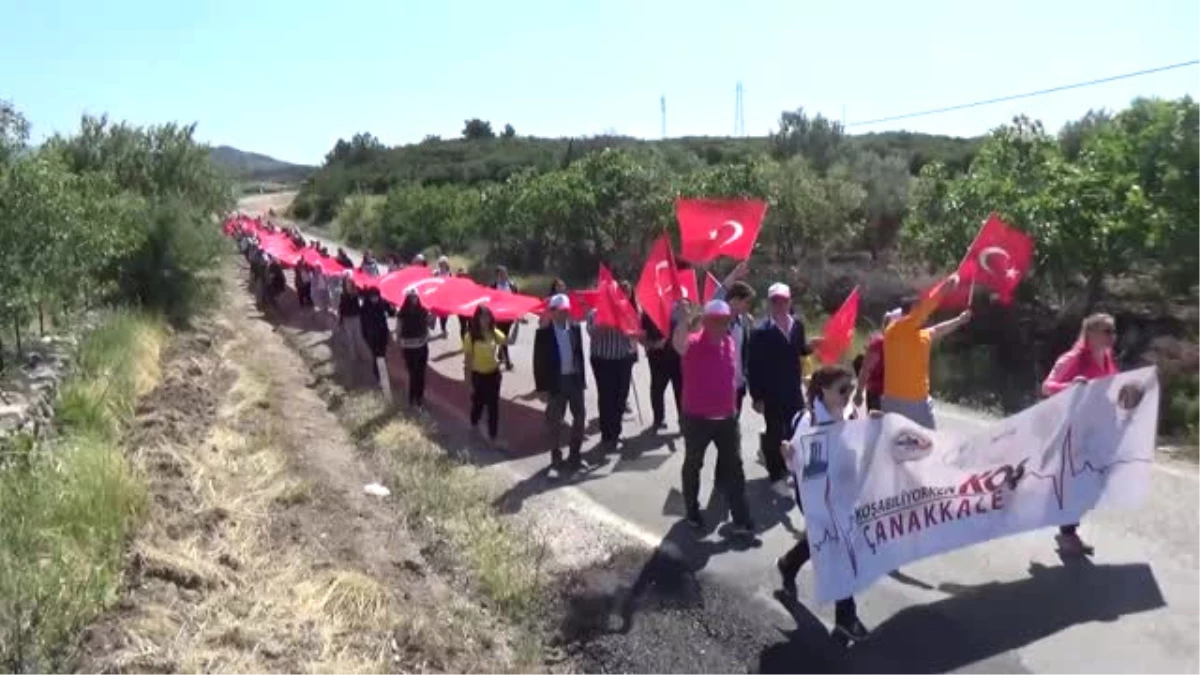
x=717, y=308
x=779, y=291
x=560, y=301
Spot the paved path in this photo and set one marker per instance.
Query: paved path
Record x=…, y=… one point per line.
x=1008, y=605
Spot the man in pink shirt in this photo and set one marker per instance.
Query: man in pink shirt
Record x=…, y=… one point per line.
x=709, y=415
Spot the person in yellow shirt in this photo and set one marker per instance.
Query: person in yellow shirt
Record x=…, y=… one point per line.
x=906, y=346
x=481, y=365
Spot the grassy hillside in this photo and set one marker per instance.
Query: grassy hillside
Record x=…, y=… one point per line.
x=244, y=166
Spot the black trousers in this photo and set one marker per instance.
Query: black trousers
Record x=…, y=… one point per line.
x=777, y=413
x=485, y=393
x=664, y=369
x=698, y=433
x=502, y=354
x=304, y=294
x=416, y=360
x=846, y=610
x=613, y=377
x=378, y=349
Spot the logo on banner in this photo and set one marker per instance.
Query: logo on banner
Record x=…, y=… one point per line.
x=910, y=446
x=816, y=459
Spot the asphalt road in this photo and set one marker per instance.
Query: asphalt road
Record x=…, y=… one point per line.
x=1010, y=605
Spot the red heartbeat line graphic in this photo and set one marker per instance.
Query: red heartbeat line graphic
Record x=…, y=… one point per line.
x=1058, y=481
x=836, y=535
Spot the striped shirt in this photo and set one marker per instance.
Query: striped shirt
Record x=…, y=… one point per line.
x=608, y=342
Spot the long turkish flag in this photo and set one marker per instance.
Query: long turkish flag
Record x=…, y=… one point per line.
x=709, y=228
x=839, y=330
x=658, y=287
x=393, y=286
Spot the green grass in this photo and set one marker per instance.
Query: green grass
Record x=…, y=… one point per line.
x=67, y=505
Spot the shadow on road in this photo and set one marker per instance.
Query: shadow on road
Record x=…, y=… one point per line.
x=976, y=623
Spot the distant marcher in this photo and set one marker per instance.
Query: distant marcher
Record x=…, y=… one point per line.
x=443, y=270
x=740, y=297
x=303, y=281
x=709, y=359
x=870, y=373
x=320, y=289
x=482, y=368
x=503, y=283
x=276, y=282
x=1090, y=358
x=775, y=377
x=344, y=259
x=413, y=322
x=665, y=366
x=557, y=287
x=612, y=357
x=349, y=311
x=558, y=372
x=906, y=350
x=373, y=316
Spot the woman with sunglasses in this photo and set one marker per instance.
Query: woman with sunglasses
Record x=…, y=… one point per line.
x=1090, y=358
x=829, y=391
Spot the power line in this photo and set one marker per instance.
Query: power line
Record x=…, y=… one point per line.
x=1040, y=92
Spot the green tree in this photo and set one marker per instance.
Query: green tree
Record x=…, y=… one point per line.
x=477, y=129
x=509, y=132
x=817, y=139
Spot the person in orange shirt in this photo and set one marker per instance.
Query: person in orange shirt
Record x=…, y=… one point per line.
x=906, y=346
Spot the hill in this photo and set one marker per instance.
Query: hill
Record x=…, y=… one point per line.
x=253, y=166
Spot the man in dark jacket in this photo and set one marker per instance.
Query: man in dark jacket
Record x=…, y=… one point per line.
x=664, y=369
x=775, y=377
x=558, y=372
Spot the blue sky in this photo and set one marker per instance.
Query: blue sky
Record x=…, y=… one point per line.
x=290, y=78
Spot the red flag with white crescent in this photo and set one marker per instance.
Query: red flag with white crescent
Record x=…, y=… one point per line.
x=709, y=228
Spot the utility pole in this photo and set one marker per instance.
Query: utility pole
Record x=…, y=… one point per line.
x=739, y=113
x=663, y=101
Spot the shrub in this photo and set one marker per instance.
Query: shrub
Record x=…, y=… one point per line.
x=172, y=268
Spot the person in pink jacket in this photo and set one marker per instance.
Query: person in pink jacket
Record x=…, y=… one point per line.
x=1090, y=358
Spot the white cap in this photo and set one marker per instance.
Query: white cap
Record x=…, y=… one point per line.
x=779, y=291
x=717, y=308
x=420, y=257
x=443, y=259
x=560, y=301
x=892, y=315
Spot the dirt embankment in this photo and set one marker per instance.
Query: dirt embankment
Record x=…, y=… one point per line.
x=261, y=551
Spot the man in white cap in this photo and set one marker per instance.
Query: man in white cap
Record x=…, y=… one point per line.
x=775, y=377
x=709, y=361
x=558, y=372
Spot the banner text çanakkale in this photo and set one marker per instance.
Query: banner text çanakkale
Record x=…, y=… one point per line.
x=879, y=494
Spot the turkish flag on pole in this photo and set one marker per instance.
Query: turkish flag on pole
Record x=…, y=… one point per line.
x=658, y=287
x=839, y=330
x=709, y=228
x=998, y=258
x=688, y=288
x=612, y=307
x=710, y=286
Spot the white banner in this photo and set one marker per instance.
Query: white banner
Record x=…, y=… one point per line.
x=881, y=493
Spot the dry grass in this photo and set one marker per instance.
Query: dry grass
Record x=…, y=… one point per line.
x=224, y=588
x=453, y=502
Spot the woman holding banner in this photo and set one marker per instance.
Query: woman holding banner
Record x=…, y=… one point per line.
x=1090, y=358
x=481, y=361
x=829, y=391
